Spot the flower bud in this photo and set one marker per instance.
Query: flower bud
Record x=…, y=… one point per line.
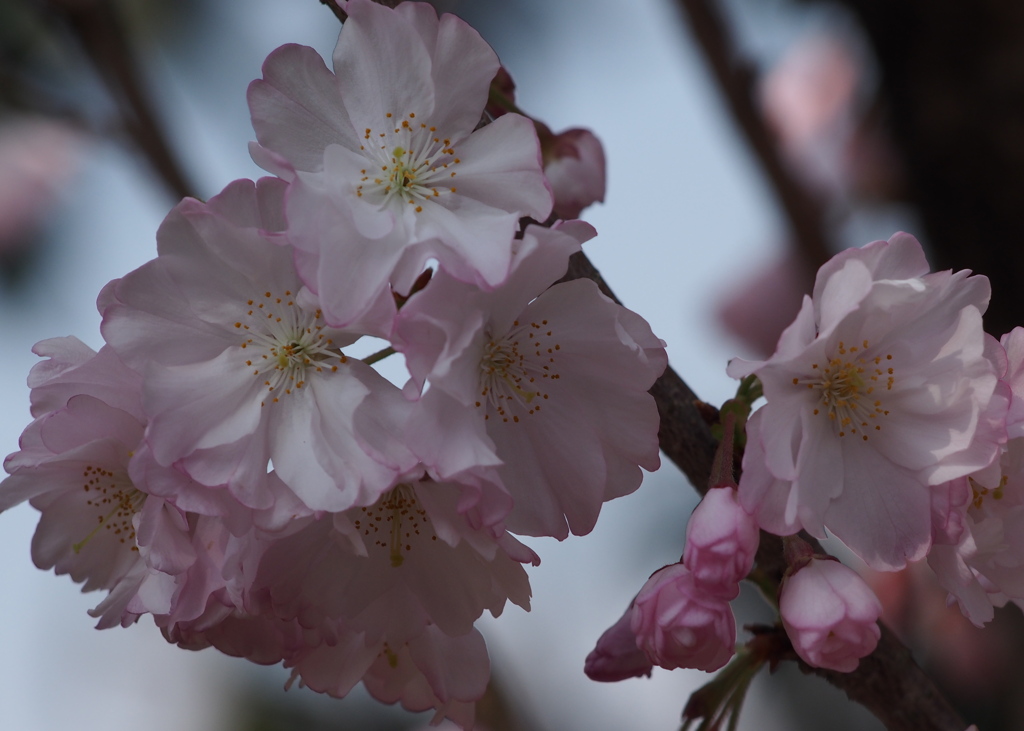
x=679, y=625
x=721, y=540
x=830, y=615
x=575, y=167
x=616, y=656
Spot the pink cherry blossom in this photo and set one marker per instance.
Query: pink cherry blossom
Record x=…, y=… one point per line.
x=616, y=655
x=984, y=568
x=38, y=155
x=678, y=625
x=431, y=671
x=978, y=556
x=880, y=390
x=73, y=468
x=390, y=569
x=241, y=371
x=391, y=591
x=764, y=301
x=1013, y=344
x=100, y=522
x=386, y=150
x=830, y=615
x=556, y=378
x=721, y=540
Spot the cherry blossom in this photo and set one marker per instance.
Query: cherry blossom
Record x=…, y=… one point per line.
x=984, y=567
x=387, y=163
x=432, y=671
x=240, y=371
x=73, y=468
x=1013, y=347
x=393, y=591
x=880, y=390
x=527, y=361
x=830, y=615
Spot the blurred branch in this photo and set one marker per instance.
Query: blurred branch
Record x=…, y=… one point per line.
x=97, y=26
x=735, y=79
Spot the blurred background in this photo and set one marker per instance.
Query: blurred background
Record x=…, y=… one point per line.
x=743, y=147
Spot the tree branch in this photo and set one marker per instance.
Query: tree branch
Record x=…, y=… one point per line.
x=336, y=9
x=735, y=78
x=99, y=29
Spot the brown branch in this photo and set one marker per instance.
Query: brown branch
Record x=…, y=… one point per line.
x=735, y=79
x=97, y=26
x=336, y=9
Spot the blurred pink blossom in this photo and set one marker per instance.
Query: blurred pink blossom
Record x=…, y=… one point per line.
x=808, y=99
x=36, y=157
x=762, y=303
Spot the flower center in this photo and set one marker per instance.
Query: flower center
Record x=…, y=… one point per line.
x=851, y=388
x=283, y=341
x=980, y=492
x=513, y=370
x=396, y=522
x=115, y=500
x=408, y=161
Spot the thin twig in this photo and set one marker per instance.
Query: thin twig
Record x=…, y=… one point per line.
x=736, y=81
x=102, y=34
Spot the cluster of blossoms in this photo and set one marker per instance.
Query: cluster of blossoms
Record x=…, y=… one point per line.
x=896, y=425
x=892, y=422
x=226, y=465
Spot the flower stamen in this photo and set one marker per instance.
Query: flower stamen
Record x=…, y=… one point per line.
x=283, y=341
x=847, y=389
x=412, y=161
x=513, y=368
x=397, y=518
x=118, y=500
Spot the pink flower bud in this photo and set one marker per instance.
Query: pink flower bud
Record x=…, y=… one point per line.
x=830, y=615
x=679, y=625
x=574, y=166
x=721, y=540
x=616, y=656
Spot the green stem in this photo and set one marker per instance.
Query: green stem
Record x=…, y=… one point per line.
x=379, y=355
x=495, y=96
x=750, y=389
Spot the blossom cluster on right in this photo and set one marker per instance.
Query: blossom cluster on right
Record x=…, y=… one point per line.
x=892, y=422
